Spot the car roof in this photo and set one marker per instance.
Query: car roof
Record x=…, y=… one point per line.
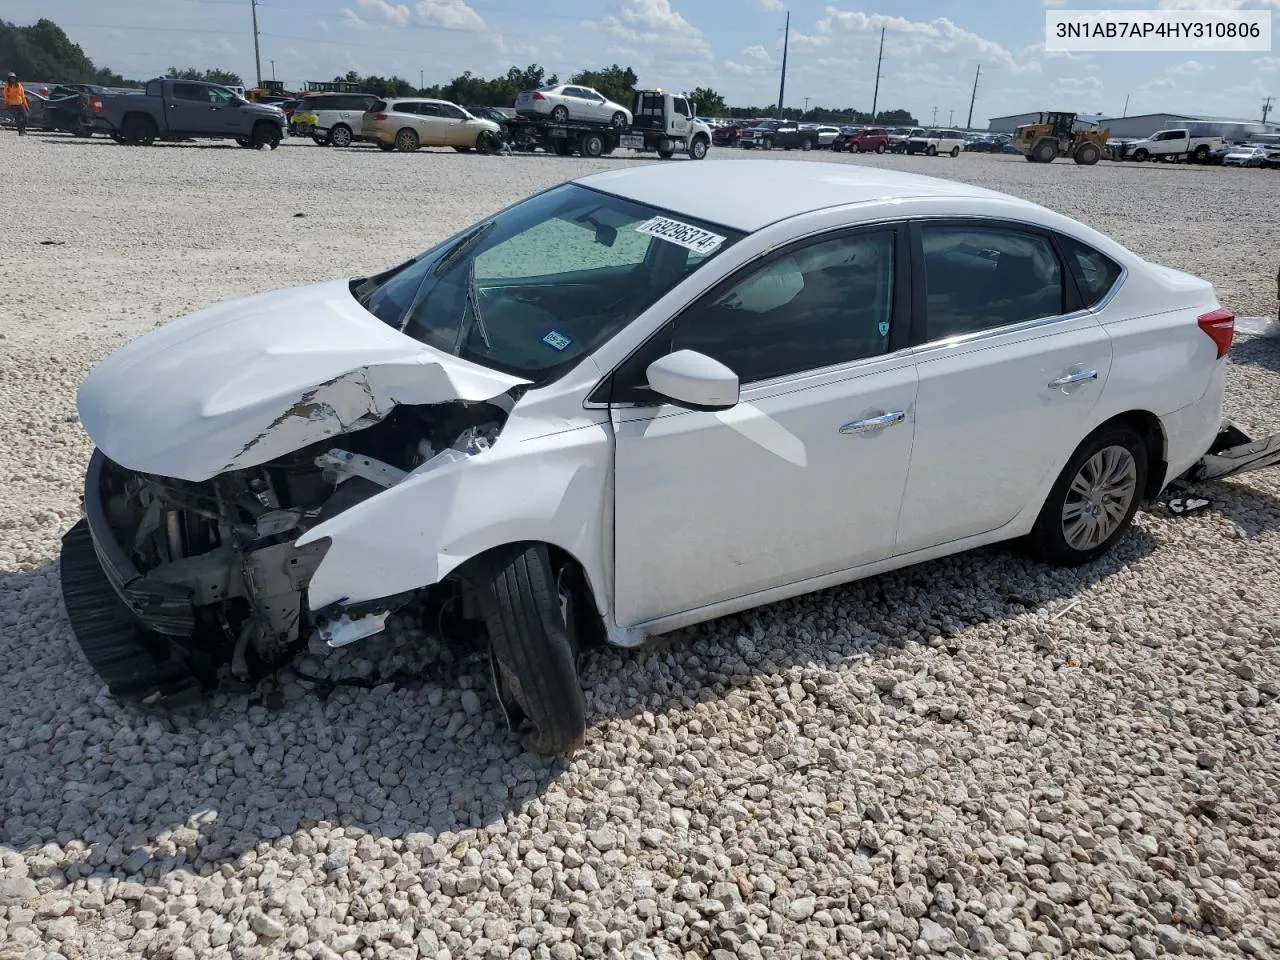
x=779, y=189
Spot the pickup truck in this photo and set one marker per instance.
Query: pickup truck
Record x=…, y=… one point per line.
x=1170, y=145
x=169, y=109
x=786, y=134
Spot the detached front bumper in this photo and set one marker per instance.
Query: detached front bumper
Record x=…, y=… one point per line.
x=1235, y=452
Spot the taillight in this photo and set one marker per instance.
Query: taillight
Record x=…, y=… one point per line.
x=1220, y=325
x=538, y=96
x=379, y=116
x=96, y=104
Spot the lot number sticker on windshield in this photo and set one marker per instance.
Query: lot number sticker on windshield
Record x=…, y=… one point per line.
x=557, y=340
x=683, y=234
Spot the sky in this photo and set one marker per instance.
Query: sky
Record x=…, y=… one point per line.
x=931, y=52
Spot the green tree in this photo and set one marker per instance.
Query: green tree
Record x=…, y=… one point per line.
x=710, y=103
x=614, y=82
x=43, y=52
x=216, y=75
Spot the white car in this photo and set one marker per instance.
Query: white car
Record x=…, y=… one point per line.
x=933, y=142
x=1246, y=156
x=568, y=101
x=625, y=405
x=827, y=135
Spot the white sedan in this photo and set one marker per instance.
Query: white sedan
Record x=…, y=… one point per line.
x=1248, y=155
x=568, y=101
x=628, y=404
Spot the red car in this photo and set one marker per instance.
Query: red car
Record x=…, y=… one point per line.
x=728, y=135
x=871, y=139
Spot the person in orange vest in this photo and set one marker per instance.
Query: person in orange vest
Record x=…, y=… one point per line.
x=15, y=101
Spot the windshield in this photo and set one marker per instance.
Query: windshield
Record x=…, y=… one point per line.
x=544, y=283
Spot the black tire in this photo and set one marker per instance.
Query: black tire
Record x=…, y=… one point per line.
x=931, y=151
x=245, y=142
x=618, y=120
x=807, y=144
x=407, y=140
x=487, y=143
x=1048, y=539
x=533, y=651
x=955, y=152
x=1029, y=158
x=320, y=141
x=341, y=136
x=1087, y=154
x=562, y=148
x=698, y=149
x=591, y=145
x=1044, y=151
x=1140, y=156
x=666, y=154
x=879, y=148
x=768, y=143
x=386, y=147
x=1202, y=153
x=138, y=131
x=462, y=149
x=82, y=128
x=266, y=134
x=560, y=113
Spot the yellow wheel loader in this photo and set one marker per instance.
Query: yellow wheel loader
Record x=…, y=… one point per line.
x=1061, y=135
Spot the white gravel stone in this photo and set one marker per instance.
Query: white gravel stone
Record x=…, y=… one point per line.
x=930, y=760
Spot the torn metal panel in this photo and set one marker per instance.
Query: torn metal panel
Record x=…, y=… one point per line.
x=242, y=383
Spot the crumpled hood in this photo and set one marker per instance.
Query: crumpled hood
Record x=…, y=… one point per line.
x=244, y=382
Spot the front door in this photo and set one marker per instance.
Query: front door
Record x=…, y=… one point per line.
x=189, y=109
x=1008, y=379
x=805, y=475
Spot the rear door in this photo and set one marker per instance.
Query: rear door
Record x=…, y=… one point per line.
x=1010, y=371
x=189, y=108
x=429, y=125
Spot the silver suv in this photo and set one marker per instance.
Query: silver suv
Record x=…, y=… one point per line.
x=331, y=118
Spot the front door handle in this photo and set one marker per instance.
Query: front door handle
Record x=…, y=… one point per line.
x=1071, y=379
x=874, y=423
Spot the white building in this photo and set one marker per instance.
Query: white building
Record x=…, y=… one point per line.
x=1229, y=128
x=1011, y=123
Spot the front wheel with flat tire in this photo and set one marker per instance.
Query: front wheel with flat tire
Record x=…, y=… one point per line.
x=530, y=615
x=1094, y=499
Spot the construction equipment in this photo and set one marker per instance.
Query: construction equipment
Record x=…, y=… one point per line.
x=1061, y=135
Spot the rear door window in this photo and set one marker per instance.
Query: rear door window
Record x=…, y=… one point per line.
x=1095, y=273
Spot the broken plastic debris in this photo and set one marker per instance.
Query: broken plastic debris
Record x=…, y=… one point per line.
x=344, y=631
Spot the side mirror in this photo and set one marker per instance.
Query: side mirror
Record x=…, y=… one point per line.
x=693, y=380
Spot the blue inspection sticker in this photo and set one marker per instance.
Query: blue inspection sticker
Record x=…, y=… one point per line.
x=884, y=328
x=557, y=340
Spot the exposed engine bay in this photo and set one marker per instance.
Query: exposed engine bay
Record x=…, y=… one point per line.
x=227, y=545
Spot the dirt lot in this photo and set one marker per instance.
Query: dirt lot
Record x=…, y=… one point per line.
x=978, y=754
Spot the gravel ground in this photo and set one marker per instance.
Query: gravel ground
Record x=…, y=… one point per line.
x=979, y=756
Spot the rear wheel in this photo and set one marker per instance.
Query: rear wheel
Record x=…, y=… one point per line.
x=931, y=151
x=139, y=131
x=618, y=120
x=341, y=136
x=591, y=145
x=407, y=140
x=806, y=145
x=1201, y=154
x=1094, y=498
x=879, y=148
x=562, y=148
x=1140, y=156
x=768, y=143
x=386, y=147
x=666, y=154
x=560, y=113
x=955, y=152
x=1044, y=151
x=529, y=611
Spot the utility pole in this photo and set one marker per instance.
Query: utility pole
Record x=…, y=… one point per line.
x=1126, y=106
x=935, y=117
x=422, y=84
x=782, y=86
x=875, y=95
x=969, y=125
x=257, y=56
x=806, y=107
x=1266, y=108
x=273, y=70
x=951, y=118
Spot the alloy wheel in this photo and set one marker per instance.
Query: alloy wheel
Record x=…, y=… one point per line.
x=1099, y=497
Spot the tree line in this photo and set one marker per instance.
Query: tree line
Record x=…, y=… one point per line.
x=45, y=52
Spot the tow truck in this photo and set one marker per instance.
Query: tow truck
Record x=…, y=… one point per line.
x=663, y=123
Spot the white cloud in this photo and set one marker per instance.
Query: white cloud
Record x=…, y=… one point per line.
x=772, y=6
x=1267, y=64
x=757, y=53
x=1163, y=83
x=739, y=69
x=1055, y=3
x=391, y=12
x=1201, y=4
x=450, y=14
x=1188, y=68
x=352, y=19
x=1078, y=84
x=653, y=24
x=920, y=37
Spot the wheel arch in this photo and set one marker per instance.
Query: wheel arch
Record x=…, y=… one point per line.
x=1153, y=435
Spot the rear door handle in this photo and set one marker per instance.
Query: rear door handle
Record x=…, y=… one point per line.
x=1071, y=379
x=874, y=423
